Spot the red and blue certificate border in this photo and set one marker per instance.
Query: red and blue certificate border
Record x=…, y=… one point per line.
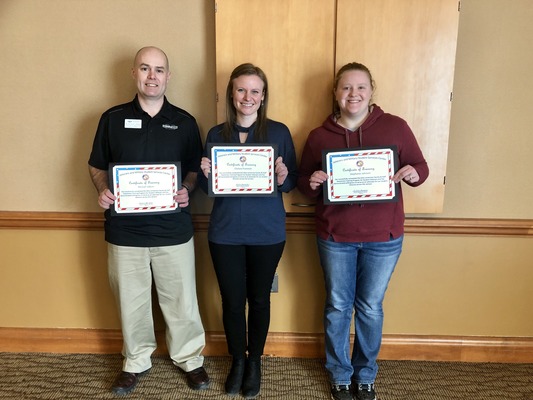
x=217, y=151
x=359, y=156
x=117, y=169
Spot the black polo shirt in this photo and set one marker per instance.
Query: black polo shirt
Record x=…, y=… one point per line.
x=127, y=134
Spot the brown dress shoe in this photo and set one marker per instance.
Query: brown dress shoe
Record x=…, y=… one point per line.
x=197, y=379
x=126, y=382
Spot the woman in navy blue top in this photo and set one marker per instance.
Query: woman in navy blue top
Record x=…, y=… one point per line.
x=247, y=233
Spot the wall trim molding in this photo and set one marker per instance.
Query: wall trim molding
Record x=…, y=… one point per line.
x=296, y=223
x=394, y=347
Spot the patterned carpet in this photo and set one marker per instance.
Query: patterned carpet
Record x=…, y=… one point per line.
x=39, y=376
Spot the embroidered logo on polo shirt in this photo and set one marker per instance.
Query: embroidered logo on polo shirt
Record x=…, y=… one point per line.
x=170, y=127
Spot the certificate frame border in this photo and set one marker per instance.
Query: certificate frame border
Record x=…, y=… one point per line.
x=326, y=187
x=112, y=208
x=210, y=191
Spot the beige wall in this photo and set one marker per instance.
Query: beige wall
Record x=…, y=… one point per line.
x=490, y=139
x=64, y=62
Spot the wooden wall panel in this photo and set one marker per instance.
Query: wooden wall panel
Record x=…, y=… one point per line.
x=293, y=42
x=409, y=46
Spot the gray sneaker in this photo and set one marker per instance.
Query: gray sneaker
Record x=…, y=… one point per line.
x=365, y=392
x=341, y=392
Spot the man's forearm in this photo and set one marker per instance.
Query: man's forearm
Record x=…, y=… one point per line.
x=190, y=181
x=100, y=179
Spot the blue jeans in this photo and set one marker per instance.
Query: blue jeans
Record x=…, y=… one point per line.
x=356, y=277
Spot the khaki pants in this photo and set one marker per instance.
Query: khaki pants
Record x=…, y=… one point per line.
x=173, y=269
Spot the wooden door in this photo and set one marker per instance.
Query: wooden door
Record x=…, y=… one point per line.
x=409, y=46
x=293, y=42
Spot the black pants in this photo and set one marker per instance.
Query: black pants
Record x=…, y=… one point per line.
x=245, y=272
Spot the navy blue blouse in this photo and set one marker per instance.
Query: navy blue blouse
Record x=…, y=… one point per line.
x=249, y=220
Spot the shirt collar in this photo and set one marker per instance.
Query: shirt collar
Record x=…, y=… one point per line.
x=165, y=112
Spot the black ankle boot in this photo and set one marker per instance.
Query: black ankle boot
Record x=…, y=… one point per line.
x=252, y=379
x=234, y=379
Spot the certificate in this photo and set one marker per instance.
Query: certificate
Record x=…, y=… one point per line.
x=242, y=170
x=360, y=175
x=145, y=188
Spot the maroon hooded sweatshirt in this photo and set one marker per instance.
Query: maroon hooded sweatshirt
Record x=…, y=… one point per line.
x=364, y=222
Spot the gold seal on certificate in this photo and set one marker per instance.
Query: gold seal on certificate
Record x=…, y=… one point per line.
x=242, y=170
x=360, y=175
x=145, y=188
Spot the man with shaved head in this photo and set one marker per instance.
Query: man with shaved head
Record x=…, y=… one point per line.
x=151, y=247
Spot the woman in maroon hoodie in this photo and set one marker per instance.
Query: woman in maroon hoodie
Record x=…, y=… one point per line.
x=359, y=243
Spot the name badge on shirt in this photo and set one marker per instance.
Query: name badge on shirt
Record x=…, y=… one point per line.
x=133, y=123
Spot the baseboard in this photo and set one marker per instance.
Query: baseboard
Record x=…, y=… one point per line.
x=394, y=347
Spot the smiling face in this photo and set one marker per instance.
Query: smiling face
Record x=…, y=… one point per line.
x=353, y=93
x=151, y=73
x=247, y=94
